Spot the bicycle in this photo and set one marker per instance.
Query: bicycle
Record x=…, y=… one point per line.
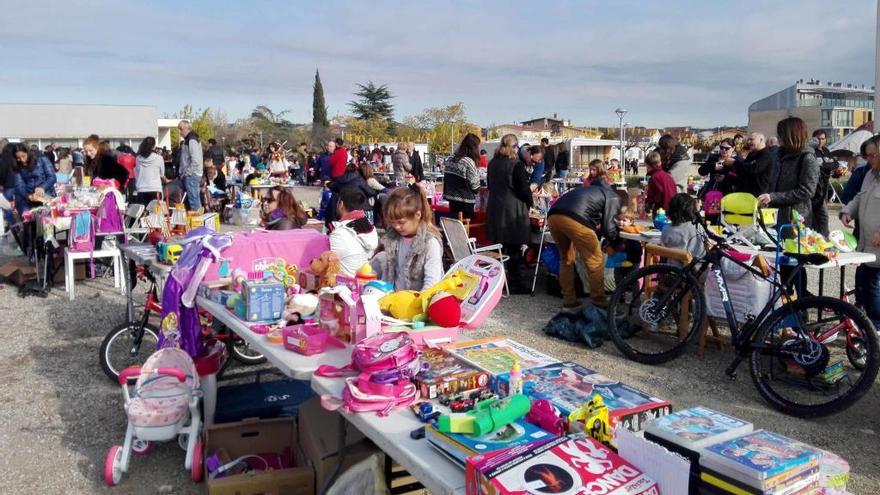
x=796, y=361
x=132, y=342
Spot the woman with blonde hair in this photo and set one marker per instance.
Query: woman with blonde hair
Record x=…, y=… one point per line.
x=508, y=207
x=400, y=163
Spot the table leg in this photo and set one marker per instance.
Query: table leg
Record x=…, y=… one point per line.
x=340, y=449
x=842, y=281
x=821, y=282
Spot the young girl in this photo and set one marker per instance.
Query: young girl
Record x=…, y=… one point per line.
x=411, y=256
x=682, y=234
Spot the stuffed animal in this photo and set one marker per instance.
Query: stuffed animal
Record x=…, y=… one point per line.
x=403, y=305
x=325, y=267
x=444, y=309
x=299, y=307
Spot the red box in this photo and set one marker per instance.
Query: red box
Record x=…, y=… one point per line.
x=565, y=466
x=447, y=374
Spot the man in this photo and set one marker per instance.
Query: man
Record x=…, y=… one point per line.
x=661, y=185
x=215, y=153
x=753, y=171
x=415, y=161
x=827, y=165
x=338, y=158
x=561, y=161
x=51, y=154
x=578, y=220
x=191, y=165
x=773, y=146
x=549, y=159
x=675, y=160
x=535, y=160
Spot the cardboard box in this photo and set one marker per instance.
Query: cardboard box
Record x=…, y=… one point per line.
x=18, y=271
x=447, y=374
x=317, y=433
x=262, y=300
x=254, y=437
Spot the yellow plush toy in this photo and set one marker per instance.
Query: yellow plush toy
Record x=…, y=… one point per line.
x=403, y=304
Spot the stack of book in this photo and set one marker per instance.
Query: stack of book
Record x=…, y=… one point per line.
x=458, y=446
x=689, y=431
x=760, y=462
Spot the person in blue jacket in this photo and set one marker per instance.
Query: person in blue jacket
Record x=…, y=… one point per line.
x=36, y=174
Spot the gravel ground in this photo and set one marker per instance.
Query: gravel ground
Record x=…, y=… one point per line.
x=58, y=406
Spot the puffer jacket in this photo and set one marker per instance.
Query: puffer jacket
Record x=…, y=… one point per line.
x=793, y=183
x=354, y=242
x=595, y=206
x=400, y=164
x=42, y=175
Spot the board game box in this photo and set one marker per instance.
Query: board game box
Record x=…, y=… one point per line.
x=688, y=431
x=447, y=374
x=569, y=385
x=497, y=355
x=459, y=446
x=566, y=466
x=757, y=456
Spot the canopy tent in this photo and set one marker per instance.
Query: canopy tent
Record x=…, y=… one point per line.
x=852, y=141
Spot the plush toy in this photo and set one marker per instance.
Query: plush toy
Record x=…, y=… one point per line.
x=326, y=267
x=299, y=307
x=403, y=305
x=444, y=309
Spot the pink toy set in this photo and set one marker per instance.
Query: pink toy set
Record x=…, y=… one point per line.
x=258, y=250
x=483, y=299
x=307, y=338
x=346, y=316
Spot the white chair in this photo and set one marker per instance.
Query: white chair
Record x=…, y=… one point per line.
x=461, y=245
x=133, y=222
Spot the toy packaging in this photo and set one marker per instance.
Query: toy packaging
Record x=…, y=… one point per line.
x=566, y=465
x=446, y=374
x=261, y=301
x=568, y=386
x=688, y=431
x=497, y=355
x=459, y=447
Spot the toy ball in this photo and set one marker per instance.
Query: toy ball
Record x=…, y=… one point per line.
x=844, y=241
x=444, y=310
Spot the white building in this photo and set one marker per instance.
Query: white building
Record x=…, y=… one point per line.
x=68, y=125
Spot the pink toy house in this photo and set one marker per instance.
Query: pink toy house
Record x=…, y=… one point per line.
x=347, y=317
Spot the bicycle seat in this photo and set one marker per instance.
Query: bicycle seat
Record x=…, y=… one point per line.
x=809, y=258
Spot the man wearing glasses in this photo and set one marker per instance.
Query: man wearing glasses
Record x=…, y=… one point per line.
x=827, y=165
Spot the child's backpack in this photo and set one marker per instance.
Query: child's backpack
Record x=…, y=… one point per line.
x=109, y=215
x=82, y=236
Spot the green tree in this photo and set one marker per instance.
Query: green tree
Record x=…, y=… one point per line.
x=202, y=122
x=319, y=106
x=444, y=126
x=374, y=102
x=269, y=125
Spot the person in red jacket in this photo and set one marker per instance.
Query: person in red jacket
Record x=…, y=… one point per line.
x=661, y=185
x=338, y=157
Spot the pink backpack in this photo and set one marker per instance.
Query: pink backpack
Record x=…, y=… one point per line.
x=82, y=235
x=361, y=394
x=109, y=215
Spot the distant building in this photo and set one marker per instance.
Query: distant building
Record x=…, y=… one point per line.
x=836, y=107
x=68, y=125
x=553, y=124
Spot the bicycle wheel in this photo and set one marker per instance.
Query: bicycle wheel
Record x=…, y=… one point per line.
x=243, y=352
x=804, y=377
x=125, y=346
x=646, y=310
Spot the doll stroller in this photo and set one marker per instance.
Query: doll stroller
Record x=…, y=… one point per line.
x=164, y=404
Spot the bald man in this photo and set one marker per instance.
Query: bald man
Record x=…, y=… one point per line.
x=753, y=171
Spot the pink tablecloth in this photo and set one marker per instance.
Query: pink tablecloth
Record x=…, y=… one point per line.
x=255, y=250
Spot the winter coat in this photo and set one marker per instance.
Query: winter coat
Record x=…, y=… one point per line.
x=191, y=160
x=353, y=241
x=109, y=168
x=793, y=183
x=679, y=168
x=827, y=165
x=865, y=208
x=661, y=189
x=411, y=264
x=148, y=173
x=415, y=162
x=400, y=164
x=338, y=161
x=721, y=180
x=42, y=175
x=346, y=181
x=507, y=209
x=461, y=180
x=753, y=171
x=595, y=206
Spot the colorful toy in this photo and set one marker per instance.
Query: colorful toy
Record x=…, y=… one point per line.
x=300, y=307
x=843, y=241
x=364, y=276
x=261, y=301
x=326, y=266
x=487, y=416
x=403, y=305
x=349, y=318
x=482, y=278
x=169, y=252
x=446, y=374
x=593, y=418
x=307, y=339
x=515, y=387
x=377, y=288
x=425, y=411
x=444, y=309
x=543, y=414
x=282, y=272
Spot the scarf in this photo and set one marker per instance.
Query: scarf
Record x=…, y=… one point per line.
x=414, y=265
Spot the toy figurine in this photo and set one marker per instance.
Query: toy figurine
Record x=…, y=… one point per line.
x=299, y=307
x=593, y=416
x=545, y=416
x=516, y=385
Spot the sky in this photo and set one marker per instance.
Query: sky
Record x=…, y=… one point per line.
x=669, y=63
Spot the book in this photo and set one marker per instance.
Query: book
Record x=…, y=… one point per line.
x=566, y=465
x=447, y=374
x=697, y=427
x=459, y=446
x=759, y=455
x=718, y=483
x=497, y=355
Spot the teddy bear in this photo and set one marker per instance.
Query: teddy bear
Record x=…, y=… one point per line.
x=326, y=267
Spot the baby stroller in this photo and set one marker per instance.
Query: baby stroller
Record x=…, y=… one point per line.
x=164, y=404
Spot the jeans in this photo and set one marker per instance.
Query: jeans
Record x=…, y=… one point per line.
x=571, y=235
x=192, y=188
x=868, y=291
x=8, y=215
x=562, y=173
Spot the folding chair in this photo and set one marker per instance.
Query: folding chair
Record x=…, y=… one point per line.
x=461, y=245
x=739, y=214
x=133, y=222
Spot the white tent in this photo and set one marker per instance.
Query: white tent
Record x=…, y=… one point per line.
x=853, y=141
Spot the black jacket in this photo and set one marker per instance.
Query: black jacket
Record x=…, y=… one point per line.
x=793, y=183
x=721, y=180
x=216, y=154
x=827, y=164
x=108, y=168
x=562, y=160
x=416, y=162
x=595, y=206
x=753, y=171
x=549, y=162
x=346, y=181
x=507, y=209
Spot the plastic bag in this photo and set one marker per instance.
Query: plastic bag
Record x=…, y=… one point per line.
x=589, y=326
x=550, y=258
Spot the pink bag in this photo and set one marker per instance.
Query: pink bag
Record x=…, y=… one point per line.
x=109, y=214
x=82, y=236
x=361, y=394
x=384, y=357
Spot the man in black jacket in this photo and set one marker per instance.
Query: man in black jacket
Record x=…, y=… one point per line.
x=549, y=159
x=753, y=171
x=578, y=220
x=415, y=162
x=827, y=165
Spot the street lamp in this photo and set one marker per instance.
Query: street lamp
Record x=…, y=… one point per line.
x=620, y=113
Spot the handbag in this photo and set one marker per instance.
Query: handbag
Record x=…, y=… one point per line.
x=384, y=357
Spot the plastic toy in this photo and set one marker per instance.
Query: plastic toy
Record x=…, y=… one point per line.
x=169, y=252
x=547, y=417
x=660, y=220
x=844, y=241
x=307, y=339
x=325, y=267
x=516, y=385
x=487, y=416
x=425, y=411
x=282, y=272
x=347, y=317
x=593, y=416
x=483, y=280
x=364, y=276
x=300, y=307
x=262, y=300
x=444, y=309
x=377, y=288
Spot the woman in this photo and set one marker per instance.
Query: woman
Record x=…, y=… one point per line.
x=719, y=169
x=65, y=163
x=597, y=172
x=461, y=179
x=283, y=211
x=352, y=178
x=101, y=164
x=36, y=172
x=11, y=181
x=794, y=178
x=400, y=164
x=508, y=207
x=148, y=172
x=865, y=208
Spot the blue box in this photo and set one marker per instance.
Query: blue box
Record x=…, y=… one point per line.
x=261, y=300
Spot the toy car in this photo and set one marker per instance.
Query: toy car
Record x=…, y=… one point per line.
x=425, y=411
x=463, y=405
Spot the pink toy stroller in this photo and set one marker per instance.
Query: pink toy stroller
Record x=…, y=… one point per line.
x=163, y=404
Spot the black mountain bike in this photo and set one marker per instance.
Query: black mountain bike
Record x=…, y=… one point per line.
x=809, y=357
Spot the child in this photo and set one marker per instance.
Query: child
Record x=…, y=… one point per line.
x=411, y=256
x=353, y=238
x=631, y=250
x=682, y=233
